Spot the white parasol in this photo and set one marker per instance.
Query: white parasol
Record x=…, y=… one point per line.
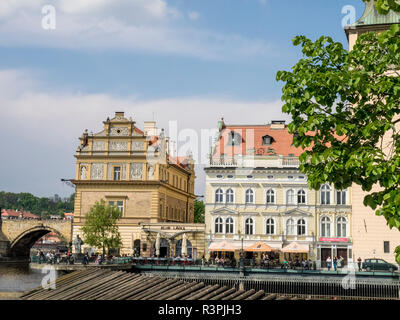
x=158, y=245
x=184, y=245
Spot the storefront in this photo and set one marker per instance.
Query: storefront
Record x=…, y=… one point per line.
x=334, y=247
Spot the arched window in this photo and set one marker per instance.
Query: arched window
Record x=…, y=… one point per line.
x=270, y=196
x=301, y=227
x=325, y=227
x=235, y=139
x=249, y=196
x=218, y=225
x=290, y=196
x=341, y=227
x=270, y=226
x=301, y=197
x=341, y=197
x=229, y=225
x=290, y=227
x=325, y=194
x=249, y=226
x=219, y=196
x=229, y=196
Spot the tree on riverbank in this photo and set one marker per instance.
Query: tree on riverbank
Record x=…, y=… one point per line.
x=100, y=229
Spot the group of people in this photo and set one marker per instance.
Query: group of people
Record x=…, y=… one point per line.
x=337, y=262
x=297, y=263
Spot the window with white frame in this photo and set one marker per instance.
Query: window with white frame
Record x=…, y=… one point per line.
x=301, y=227
x=301, y=197
x=290, y=227
x=249, y=196
x=341, y=196
x=219, y=223
x=229, y=196
x=325, y=194
x=270, y=226
x=341, y=227
x=325, y=227
x=290, y=197
x=219, y=196
x=229, y=225
x=270, y=196
x=249, y=226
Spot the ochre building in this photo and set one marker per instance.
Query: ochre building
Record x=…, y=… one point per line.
x=371, y=234
x=133, y=169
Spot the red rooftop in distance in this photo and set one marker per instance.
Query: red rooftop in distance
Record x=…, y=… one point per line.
x=15, y=214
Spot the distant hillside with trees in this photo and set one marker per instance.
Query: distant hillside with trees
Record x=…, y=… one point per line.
x=43, y=207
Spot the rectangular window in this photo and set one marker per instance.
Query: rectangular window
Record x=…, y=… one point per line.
x=386, y=246
x=117, y=173
x=341, y=197
x=119, y=204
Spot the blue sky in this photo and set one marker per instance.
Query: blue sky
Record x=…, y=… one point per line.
x=187, y=60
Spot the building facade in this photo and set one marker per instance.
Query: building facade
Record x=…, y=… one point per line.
x=256, y=192
x=371, y=234
x=133, y=170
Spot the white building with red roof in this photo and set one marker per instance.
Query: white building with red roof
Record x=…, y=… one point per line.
x=256, y=192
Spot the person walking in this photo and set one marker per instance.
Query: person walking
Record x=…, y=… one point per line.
x=329, y=263
x=359, y=264
x=335, y=261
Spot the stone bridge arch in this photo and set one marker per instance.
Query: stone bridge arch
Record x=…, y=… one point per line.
x=22, y=234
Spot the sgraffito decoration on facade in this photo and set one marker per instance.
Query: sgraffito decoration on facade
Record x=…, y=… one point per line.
x=83, y=174
x=136, y=171
x=138, y=146
x=99, y=146
x=118, y=146
x=150, y=172
x=97, y=172
x=119, y=131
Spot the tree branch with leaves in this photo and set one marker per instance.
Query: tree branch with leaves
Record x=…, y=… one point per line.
x=345, y=108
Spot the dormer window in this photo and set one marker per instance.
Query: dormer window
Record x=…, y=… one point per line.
x=235, y=139
x=267, y=140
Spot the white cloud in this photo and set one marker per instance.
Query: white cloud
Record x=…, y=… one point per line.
x=144, y=25
x=193, y=15
x=51, y=122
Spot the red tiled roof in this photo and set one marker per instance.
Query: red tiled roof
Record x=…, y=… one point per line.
x=14, y=213
x=69, y=214
x=179, y=161
x=252, y=141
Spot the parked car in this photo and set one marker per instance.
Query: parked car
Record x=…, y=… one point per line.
x=378, y=265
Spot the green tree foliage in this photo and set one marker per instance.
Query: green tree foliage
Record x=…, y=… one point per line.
x=43, y=207
x=100, y=229
x=199, y=210
x=342, y=105
x=384, y=6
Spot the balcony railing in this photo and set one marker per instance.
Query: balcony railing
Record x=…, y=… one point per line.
x=278, y=162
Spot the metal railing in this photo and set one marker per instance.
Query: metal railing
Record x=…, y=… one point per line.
x=306, y=287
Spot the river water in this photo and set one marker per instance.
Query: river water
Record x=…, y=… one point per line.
x=18, y=278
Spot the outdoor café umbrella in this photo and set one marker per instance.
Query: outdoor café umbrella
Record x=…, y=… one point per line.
x=158, y=245
x=294, y=247
x=184, y=245
x=259, y=247
x=222, y=246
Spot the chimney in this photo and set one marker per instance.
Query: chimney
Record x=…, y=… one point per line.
x=278, y=124
x=150, y=128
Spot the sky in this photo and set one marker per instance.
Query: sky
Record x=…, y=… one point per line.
x=67, y=67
